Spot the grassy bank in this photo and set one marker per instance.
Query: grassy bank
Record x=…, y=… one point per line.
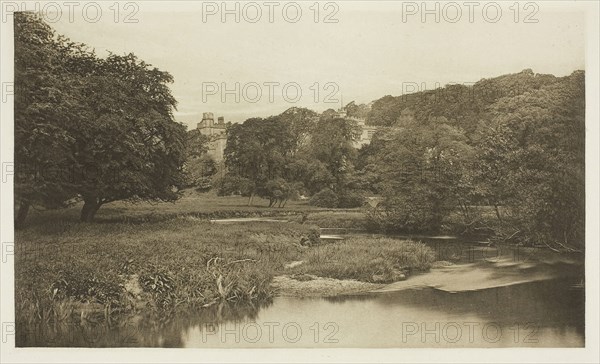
x=180, y=261
x=193, y=204
x=66, y=270
x=156, y=257
x=375, y=260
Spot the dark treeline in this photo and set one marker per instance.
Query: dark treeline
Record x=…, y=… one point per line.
x=514, y=144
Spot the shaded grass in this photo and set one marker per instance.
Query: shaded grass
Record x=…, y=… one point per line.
x=347, y=219
x=200, y=205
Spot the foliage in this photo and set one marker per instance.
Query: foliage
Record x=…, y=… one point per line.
x=278, y=191
x=535, y=162
x=350, y=199
x=257, y=151
x=294, y=152
x=231, y=184
x=332, y=145
x=86, y=285
x=324, y=198
x=106, y=124
x=514, y=143
x=44, y=111
x=353, y=110
x=423, y=169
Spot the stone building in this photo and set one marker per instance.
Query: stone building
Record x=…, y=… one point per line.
x=366, y=132
x=216, y=133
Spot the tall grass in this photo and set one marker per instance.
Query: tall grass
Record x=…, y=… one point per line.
x=368, y=259
x=179, y=261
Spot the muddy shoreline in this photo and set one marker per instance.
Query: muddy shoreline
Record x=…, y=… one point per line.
x=443, y=276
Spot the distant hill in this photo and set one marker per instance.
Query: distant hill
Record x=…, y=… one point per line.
x=461, y=105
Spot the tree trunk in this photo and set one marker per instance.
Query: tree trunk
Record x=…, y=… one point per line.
x=22, y=214
x=89, y=209
x=94, y=210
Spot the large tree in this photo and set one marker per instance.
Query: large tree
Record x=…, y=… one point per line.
x=332, y=144
x=45, y=106
x=258, y=151
x=423, y=169
x=534, y=159
x=108, y=122
x=127, y=135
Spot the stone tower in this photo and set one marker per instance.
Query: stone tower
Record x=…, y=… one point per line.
x=216, y=133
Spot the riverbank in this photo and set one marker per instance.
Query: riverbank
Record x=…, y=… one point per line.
x=484, y=268
x=70, y=272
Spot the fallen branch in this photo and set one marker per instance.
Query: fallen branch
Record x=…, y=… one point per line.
x=551, y=248
x=513, y=235
x=567, y=248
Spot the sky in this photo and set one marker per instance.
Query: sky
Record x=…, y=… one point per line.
x=347, y=51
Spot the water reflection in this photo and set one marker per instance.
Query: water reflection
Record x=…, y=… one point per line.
x=164, y=329
x=538, y=314
x=547, y=313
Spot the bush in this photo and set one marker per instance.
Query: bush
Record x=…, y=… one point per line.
x=324, y=198
x=351, y=199
x=401, y=214
x=234, y=185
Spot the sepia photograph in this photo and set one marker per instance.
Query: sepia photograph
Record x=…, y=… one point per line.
x=240, y=181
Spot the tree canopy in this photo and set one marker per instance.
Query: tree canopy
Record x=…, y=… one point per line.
x=108, y=122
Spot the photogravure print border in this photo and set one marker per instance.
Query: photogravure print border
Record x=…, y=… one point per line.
x=431, y=356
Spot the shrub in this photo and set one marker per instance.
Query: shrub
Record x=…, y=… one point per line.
x=324, y=198
x=234, y=185
x=350, y=199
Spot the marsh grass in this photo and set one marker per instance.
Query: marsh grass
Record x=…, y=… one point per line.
x=367, y=259
x=177, y=261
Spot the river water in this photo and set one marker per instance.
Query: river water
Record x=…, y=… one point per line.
x=537, y=314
